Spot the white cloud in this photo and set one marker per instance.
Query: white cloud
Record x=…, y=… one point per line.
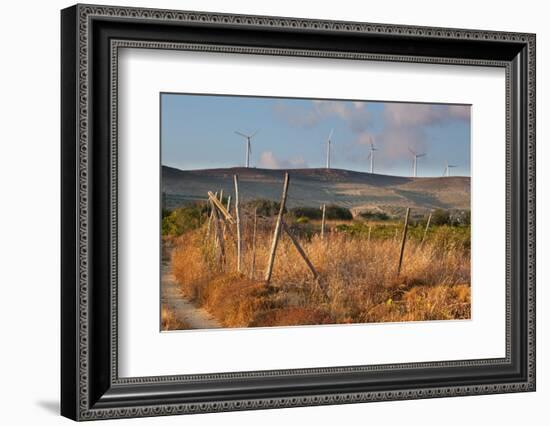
x=268, y=160
x=364, y=138
x=404, y=126
x=401, y=114
x=400, y=126
x=296, y=116
x=355, y=114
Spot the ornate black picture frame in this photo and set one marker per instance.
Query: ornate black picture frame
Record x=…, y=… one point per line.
x=91, y=36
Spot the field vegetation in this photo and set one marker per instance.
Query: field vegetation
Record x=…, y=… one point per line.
x=356, y=262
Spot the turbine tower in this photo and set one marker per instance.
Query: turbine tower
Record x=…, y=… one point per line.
x=448, y=168
x=416, y=156
x=371, y=157
x=329, y=147
x=248, y=145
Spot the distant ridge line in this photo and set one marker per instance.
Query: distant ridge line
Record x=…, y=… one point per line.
x=313, y=187
x=303, y=171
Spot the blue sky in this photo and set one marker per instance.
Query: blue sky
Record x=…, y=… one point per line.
x=197, y=132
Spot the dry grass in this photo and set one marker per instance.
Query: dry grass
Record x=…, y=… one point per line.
x=358, y=281
x=169, y=320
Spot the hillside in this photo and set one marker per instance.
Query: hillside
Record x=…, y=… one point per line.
x=312, y=187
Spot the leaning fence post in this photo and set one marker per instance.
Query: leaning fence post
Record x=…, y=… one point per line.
x=404, y=238
x=426, y=230
x=210, y=217
x=228, y=206
x=300, y=250
x=253, y=265
x=276, y=233
x=323, y=221
x=219, y=242
x=208, y=204
x=238, y=219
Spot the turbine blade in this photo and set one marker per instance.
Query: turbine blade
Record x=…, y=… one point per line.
x=241, y=134
x=330, y=134
x=254, y=134
x=411, y=151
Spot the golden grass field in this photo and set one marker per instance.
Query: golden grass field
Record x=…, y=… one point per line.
x=358, y=280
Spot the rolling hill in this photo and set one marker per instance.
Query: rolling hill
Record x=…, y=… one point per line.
x=312, y=187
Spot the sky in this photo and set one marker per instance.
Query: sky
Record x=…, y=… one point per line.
x=198, y=132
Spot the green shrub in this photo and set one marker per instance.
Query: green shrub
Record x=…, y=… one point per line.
x=356, y=229
x=307, y=212
x=183, y=219
x=464, y=218
x=370, y=215
x=338, y=213
x=302, y=219
x=441, y=217
x=451, y=237
x=332, y=212
x=265, y=207
x=304, y=230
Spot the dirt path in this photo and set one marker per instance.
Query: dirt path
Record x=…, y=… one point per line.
x=185, y=311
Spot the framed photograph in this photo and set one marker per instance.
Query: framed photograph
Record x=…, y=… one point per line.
x=263, y=212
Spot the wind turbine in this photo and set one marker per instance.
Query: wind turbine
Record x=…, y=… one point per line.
x=329, y=144
x=448, y=168
x=248, y=145
x=371, y=157
x=416, y=156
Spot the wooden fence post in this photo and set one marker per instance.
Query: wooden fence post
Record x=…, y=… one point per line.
x=324, y=208
x=219, y=242
x=210, y=217
x=300, y=250
x=238, y=220
x=208, y=222
x=403, y=240
x=228, y=207
x=277, y=232
x=221, y=207
x=253, y=265
x=426, y=230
